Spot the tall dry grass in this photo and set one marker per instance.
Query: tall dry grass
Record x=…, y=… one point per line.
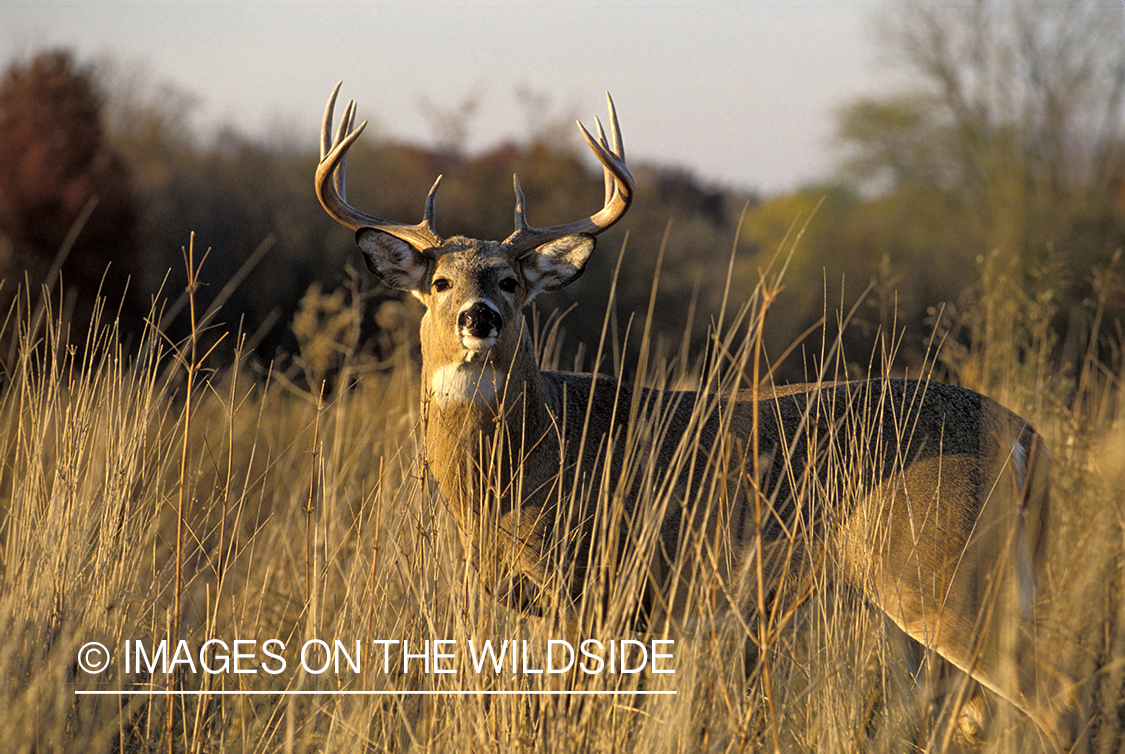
x=146, y=496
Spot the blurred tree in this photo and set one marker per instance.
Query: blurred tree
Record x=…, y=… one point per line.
x=58, y=176
x=1046, y=83
x=545, y=126
x=1004, y=167
x=451, y=125
x=242, y=195
x=248, y=202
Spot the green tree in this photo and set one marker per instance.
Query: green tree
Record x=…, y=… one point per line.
x=1008, y=160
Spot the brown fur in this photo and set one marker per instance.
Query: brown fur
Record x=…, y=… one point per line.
x=930, y=500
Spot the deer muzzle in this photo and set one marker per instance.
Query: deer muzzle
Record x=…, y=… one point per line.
x=479, y=325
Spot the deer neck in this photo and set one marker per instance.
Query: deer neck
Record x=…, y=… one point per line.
x=478, y=410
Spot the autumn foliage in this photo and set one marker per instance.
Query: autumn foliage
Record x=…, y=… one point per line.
x=59, y=179
x=980, y=203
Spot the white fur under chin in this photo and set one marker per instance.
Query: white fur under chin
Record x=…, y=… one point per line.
x=477, y=345
x=466, y=383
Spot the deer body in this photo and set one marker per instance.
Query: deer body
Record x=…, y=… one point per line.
x=929, y=499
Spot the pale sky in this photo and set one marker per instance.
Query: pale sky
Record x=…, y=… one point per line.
x=744, y=94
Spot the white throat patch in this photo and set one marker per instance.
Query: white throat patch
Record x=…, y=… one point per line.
x=466, y=383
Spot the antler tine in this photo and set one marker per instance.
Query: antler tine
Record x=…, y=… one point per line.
x=613, y=160
x=618, y=194
x=618, y=148
x=326, y=124
x=609, y=182
x=330, y=183
x=327, y=142
x=521, y=220
x=615, y=129
x=428, y=214
x=339, y=175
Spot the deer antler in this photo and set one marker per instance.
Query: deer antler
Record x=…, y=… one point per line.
x=618, y=193
x=330, y=184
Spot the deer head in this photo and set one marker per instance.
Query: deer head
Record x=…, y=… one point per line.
x=473, y=290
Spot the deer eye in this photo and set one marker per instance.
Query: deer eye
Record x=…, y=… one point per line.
x=509, y=285
x=441, y=284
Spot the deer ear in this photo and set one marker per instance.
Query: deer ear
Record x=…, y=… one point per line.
x=557, y=263
x=394, y=261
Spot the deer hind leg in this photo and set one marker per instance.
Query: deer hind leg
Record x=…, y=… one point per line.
x=952, y=571
x=954, y=700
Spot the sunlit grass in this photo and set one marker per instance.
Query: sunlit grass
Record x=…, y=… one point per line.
x=306, y=515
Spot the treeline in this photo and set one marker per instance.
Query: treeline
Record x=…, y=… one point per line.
x=988, y=202
x=252, y=205
x=986, y=207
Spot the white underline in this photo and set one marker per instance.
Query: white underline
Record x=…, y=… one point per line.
x=290, y=692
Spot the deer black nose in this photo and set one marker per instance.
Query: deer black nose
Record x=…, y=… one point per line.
x=480, y=320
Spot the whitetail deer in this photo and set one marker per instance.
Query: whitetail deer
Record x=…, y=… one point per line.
x=929, y=499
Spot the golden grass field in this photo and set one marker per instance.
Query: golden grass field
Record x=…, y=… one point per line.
x=145, y=495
